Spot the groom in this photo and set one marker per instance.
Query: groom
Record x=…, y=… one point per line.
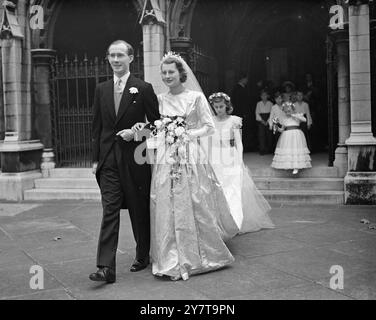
x=119, y=104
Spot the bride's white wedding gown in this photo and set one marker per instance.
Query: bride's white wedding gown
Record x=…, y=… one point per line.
x=189, y=219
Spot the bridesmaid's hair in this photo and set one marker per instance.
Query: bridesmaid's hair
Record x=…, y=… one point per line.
x=179, y=66
x=229, y=107
x=278, y=94
x=130, y=50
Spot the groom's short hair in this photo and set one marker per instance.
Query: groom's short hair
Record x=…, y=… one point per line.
x=130, y=50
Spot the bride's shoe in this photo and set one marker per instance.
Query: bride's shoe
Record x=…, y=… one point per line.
x=176, y=278
x=184, y=276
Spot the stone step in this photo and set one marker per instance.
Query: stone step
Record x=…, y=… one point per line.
x=262, y=183
x=59, y=194
x=315, y=172
x=71, y=173
x=279, y=183
x=304, y=196
x=66, y=183
x=280, y=196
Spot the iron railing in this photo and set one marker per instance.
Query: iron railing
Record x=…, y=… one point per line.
x=205, y=69
x=332, y=96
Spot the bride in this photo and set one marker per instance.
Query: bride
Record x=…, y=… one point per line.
x=190, y=217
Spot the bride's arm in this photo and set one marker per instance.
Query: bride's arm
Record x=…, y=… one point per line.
x=206, y=119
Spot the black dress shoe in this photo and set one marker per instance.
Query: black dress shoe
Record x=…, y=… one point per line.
x=139, y=265
x=104, y=274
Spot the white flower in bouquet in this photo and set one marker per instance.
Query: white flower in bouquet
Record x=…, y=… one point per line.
x=158, y=124
x=182, y=151
x=186, y=137
x=179, y=131
x=171, y=126
x=166, y=120
x=170, y=139
x=179, y=120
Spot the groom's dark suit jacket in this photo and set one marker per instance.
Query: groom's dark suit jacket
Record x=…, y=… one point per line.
x=132, y=109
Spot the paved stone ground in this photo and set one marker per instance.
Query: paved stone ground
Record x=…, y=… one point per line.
x=292, y=261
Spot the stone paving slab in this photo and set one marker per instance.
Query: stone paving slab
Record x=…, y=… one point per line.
x=292, y=261
x=314, y=263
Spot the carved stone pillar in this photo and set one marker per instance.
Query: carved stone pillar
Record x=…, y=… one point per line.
x=342, y=43
x=42, y=61
x=360, y=181
x=153, y=25
x=20, y=155
x=2, y=111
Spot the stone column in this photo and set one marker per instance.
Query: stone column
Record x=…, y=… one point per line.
x=153, y=23
x=154, y=43
x=360, y=181
x=373, y=65
x=20, y=154
x=342, y=42
x=2, y=117
x=42, y=62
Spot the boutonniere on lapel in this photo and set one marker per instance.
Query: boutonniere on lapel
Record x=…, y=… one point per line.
x=133, y=91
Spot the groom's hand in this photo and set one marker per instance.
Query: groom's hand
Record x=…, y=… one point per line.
x=126, y=134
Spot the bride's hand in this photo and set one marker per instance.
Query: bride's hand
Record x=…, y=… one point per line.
x=138, y=126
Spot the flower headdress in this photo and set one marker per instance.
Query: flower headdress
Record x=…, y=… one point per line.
x=219, y=95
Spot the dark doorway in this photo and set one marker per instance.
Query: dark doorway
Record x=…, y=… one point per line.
x=270, y=40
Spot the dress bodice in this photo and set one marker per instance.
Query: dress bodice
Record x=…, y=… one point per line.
x=224, y=133
x=192, y=105
x=290, y=121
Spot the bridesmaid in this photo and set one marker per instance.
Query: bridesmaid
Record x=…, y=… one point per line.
x=248, y=206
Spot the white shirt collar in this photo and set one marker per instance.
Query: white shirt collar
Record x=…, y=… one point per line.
x=124, y=78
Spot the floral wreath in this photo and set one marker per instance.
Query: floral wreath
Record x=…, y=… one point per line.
x=219, y=95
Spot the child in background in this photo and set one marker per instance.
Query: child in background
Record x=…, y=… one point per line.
x=276, y=114
x=291, y=151
x=262, y=112
x=303, y=108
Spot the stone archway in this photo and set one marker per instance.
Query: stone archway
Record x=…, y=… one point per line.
x=51, y=8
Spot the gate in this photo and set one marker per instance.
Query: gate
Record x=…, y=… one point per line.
x=332, y=96
x=73, y=84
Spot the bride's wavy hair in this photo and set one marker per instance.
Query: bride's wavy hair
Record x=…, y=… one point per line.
x=218, y=97
x=179, y=66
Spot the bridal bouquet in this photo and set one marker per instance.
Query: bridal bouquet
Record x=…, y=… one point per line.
x=173, y=130
x=276, y=125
